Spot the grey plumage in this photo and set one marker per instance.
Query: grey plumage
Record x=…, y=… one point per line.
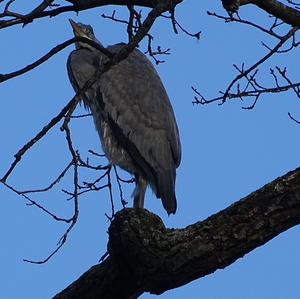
x=133, y=116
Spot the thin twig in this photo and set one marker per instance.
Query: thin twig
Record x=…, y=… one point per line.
x=52, y=52
x=34, y=203
x=36, y=138
x=263, y=59
x=56, y=181
x=239, y=20
x=294, y=119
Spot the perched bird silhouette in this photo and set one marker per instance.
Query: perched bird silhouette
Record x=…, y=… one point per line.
x=132, y=114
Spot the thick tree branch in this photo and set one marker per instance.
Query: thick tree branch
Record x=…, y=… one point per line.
x=144, y=256
x=79, y=5
x=275, y=8
x=281, y=11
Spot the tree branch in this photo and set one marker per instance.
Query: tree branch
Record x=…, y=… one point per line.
x=275, y=8
x=144, y=256
x=52, y=52
x=279, y=10
x=79, y=5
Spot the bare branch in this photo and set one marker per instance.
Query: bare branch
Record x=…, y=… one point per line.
x=175, y=23
x=294, y=119
x=257, y=89
x=276, y=8
x=293, y=86
x=242, y=21
x=279, y=10
x=119, y=181
x=262, y=60
x=77, y=6
x=52, y=52
x=52, y=184
x=34, y=203
x=138, y=24
x=36, y=138
x=74, y=218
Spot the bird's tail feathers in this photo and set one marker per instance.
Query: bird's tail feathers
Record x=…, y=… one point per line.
x=166, y=190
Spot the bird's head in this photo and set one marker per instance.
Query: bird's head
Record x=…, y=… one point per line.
x=82, y=30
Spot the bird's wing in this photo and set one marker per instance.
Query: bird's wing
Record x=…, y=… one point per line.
x=137, y=103
x=135, y=83
x=82, y=65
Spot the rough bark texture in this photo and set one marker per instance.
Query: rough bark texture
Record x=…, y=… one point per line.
x=144, y=256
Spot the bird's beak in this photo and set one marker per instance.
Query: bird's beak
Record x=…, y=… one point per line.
x=76, y=29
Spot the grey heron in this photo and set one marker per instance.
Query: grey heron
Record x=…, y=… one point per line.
x=132, y=114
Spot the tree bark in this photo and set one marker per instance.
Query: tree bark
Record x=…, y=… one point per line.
x=279, y=10
x=144, y=256
x=287, y=14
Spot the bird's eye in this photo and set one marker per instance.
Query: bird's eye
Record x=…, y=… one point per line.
x=88, y=33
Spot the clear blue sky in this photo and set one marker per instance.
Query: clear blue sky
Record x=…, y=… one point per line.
x=228, y=152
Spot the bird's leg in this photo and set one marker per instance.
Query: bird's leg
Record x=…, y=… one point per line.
x=139, y=192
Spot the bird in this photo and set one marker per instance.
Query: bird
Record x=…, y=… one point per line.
x=132, y=114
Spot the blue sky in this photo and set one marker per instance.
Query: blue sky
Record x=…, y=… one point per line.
x=228, y=152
